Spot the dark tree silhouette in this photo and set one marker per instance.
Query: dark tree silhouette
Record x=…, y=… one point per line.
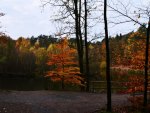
x=146, y=65
x=86, y=46
x=107, y=59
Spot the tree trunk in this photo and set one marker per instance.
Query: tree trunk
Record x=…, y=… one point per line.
x=78, y=38
x=107, y=59
x=77, y=30
x=86, y=47
x=146, y=65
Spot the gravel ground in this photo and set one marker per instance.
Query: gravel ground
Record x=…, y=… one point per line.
x=55, y=101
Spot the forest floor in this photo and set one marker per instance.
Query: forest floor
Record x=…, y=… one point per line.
x=55, y=101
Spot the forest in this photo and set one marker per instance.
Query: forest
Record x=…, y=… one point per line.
x=43, y=56
x=72, y=60
x=30, y=56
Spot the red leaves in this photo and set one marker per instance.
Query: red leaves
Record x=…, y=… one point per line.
x=134, y=84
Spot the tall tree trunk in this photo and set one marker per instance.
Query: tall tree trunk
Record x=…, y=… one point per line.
x=107, y=59
x=86, y=47
x=79, y=36
x=77, y=30
x=146, y=65
x=79, y=17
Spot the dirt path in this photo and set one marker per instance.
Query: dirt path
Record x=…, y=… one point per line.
x=55, y=102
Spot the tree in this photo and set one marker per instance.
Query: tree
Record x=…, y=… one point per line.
x=145, y=13
x=1, y=14
x=25, y=59
x=146, y=64
x=71, y=10
x=78, y=37
x=65, y=68
x=3, y=52
x=134, y=50
x=94, y=59
x=138, y=51
x=40, y=59
x=107, y=59
x=86, y=46
x=74, y=15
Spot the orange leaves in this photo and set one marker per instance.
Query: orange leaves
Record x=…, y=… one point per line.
x=63, y=65
x=135, y=84
x=135, y=50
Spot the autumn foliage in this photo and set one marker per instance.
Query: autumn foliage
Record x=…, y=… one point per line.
x=136, y=49
x=134, y=84
x=64, y=65
x=31, y=56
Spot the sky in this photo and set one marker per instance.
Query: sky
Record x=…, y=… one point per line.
x=27, y=18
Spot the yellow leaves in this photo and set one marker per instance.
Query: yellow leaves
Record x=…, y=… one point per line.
x=51, y=48
x=23, y=43
x=41, y=55
x=91, y=47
